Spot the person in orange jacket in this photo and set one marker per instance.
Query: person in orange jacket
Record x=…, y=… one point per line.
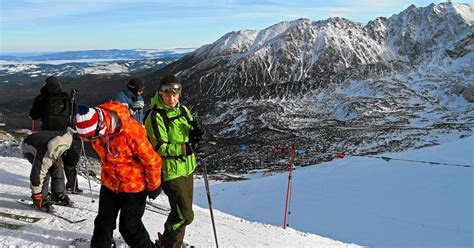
x=131, y=171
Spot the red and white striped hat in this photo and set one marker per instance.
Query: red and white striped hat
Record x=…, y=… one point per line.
x=89, y=122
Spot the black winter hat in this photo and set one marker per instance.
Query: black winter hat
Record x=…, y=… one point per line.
x=52, y=85
x=170, y=79
x=70, y=158
x=135, y=83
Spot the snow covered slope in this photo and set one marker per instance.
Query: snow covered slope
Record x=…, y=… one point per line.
x=54, y=232
x=368, y=201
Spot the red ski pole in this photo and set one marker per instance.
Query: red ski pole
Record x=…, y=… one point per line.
x=288, y=191
x=32, y=125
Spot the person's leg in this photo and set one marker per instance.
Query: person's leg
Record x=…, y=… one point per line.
x=29, y=152
x=130, y=225
x=71, y=158
x=57, y=179
x=35, y=172
x=70, y=172
x=45, y=189
x=181, y=213
x=104, y=223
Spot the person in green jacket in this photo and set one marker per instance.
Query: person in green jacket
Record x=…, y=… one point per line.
x=176, y=137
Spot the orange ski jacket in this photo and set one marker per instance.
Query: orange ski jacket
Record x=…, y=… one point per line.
x=129, y=163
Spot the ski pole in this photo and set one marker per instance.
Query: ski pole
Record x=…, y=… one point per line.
x=208, y=192
x=32, y=125
x=208, y=140
x=288, y=191
x=71, y=123
x=87, y=168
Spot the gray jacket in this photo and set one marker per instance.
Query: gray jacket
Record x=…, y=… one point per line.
x=47, y=148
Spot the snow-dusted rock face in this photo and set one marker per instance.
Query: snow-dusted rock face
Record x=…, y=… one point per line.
x=336, y=85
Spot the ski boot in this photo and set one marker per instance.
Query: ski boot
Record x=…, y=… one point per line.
x=61, y=199
x=75, y=191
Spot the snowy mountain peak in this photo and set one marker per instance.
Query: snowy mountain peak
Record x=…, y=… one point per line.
x=232, y=42
x=466, y=11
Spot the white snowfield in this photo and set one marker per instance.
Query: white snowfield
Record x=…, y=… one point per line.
x=54, y=232
x=368, y=201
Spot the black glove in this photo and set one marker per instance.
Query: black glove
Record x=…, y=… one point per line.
x=76, y=136
x=138, y=105
x=195, y=135
x=190, y=147
x=202, y=147
x=155, y=193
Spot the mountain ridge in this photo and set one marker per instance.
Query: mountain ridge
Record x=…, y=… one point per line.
x=311, y=82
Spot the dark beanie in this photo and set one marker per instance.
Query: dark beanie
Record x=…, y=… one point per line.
x=135, y=83
x=170, y=79
x=70, y=158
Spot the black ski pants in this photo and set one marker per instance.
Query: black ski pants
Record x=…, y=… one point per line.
x=70, y=169
x=132, y=207
x=180, y=197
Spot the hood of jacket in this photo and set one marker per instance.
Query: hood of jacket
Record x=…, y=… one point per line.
x=51, y=87
x=115, y=115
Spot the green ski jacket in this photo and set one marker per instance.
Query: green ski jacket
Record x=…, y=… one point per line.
x=168, y=137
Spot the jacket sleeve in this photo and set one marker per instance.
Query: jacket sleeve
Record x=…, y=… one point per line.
x=37, y=108
x=158, y=136
x=150, y=160
x=121, y=97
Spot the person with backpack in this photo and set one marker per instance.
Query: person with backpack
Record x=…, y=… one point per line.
x=132, y=97
x=131, y=171
x=175, y=137
x=55, y=109
x=47, y=151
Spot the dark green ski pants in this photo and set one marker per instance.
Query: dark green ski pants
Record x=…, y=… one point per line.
x=180, y=197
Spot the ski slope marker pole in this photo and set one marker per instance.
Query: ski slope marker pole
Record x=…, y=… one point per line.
x=288, y=191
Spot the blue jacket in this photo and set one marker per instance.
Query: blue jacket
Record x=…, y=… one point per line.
x=126, y=96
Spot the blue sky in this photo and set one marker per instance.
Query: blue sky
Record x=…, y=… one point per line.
x=68, y=25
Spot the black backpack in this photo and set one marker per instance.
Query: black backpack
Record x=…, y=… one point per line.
x=57, y=112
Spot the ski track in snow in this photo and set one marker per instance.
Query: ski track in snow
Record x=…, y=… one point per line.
x=55, y=232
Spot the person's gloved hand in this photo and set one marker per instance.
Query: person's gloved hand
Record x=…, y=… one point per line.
x=37, y=200
x=155, y=193
x=138, y=105
x=76, y=136
x=195, y=135
x=203, y=147
x=188, y=148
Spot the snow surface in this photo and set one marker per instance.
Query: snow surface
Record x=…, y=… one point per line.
x=54, y=232
x=360, y=200
x=367, y=201
x=465, y=11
